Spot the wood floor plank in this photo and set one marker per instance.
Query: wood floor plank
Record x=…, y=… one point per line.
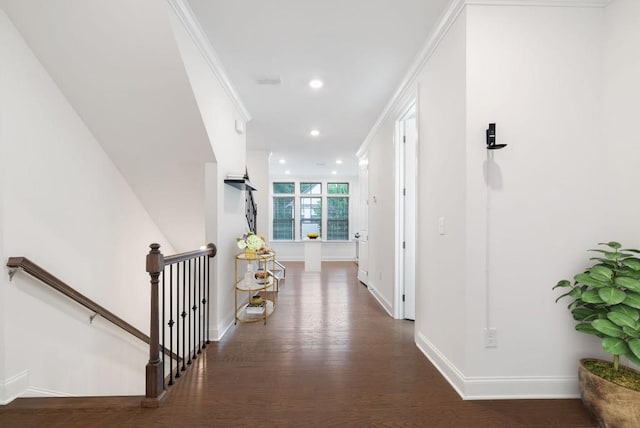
x=329, y=356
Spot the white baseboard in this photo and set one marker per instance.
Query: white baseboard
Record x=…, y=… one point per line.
x=13, y=387
x=498, y=387
x=446, y=368
x=218, y=333
x=34, y=392
x=386, y=305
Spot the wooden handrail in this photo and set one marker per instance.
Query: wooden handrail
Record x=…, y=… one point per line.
x=45, y=277
x=210, y=250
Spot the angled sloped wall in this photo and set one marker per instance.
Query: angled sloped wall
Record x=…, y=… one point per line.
x=67, y=207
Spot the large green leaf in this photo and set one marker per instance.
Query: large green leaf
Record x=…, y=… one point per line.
x=587, y=328
x=582, y=314
x=628, y=283
x=607, y=328
x=601, y=273
x=614, y=346
x=586, y=279
x=592, y=296
x=562, y=283
x=612, y=296
x=614, y=256
x=631, y=312
x=631, y=332
x=605, y=262
x=611, y=244
x=633, y=300
x=622, y=320
x=634, y=346
x=632, y=263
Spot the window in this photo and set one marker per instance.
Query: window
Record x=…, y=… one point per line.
x=284, y=211
x=338, y=188
x=310, y=216
x=311, y=188
x=284, y=188
x=283, y=217
x=302, y=207
x=337, y=218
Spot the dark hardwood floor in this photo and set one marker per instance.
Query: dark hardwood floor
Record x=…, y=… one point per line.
x=328, y=357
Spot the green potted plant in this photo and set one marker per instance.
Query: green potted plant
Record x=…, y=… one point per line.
x=606, y=303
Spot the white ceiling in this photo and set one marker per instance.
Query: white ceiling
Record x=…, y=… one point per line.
x=361, y=49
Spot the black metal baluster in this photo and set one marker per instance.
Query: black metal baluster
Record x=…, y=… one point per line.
x=208, y=295
x=205, y=300
x=195, y=307
x=189, y=320
x=162, y=326
x=183, y=315
x=201, y=296
x=177, y=320
x=170, y=324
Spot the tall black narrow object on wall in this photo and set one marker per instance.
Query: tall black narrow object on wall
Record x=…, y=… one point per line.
x=491, y=138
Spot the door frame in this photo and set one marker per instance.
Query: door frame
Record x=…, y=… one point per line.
x=401, y=256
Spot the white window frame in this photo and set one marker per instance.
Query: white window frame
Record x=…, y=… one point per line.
x=324, y=195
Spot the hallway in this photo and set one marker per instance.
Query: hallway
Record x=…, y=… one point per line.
x=328, y=357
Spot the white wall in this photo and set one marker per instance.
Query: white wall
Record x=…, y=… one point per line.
x=564, y=102
x=381, y=213
x=543, y=91
x=118, y=65
x=67, y=208
x=620, y=138
x=3, y=273
x=225, y=214
x=440, y=278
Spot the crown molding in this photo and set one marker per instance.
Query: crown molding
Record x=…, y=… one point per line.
x=447, y=18
x=184, y=13
x=543, y=3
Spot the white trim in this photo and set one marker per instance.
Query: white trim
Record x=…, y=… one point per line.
x=185, y=14
x=521, y=387
x=13, y=387
x=540, y=3
x=445, y=21
x=386, y=305
x=498, y=387
x=447, y=18
x=446, y=368
x=33, y=391
x=219, y=333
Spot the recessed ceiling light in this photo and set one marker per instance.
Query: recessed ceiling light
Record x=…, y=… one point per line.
x=316, y=83
x=287, y=172
x=339, y=161
x=334, y=172
x=314, y=132
x=282, y=161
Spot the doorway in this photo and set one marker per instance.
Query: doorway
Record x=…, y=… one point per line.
x=406, y=137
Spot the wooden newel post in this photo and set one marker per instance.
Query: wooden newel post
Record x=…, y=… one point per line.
x=155, y=390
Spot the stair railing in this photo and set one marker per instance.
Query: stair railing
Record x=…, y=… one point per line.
x=22, y=263
x=180, y=296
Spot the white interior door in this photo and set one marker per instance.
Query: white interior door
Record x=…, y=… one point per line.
x=405, y=214
x=363, y=240
x=409, y=199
